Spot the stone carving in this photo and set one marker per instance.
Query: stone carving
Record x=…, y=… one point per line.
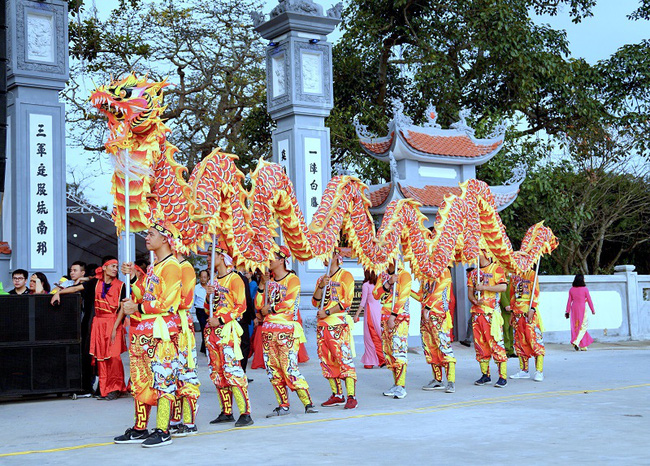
x=432, y=117
x=340, y=171
x=257, y=17
x=361, y=129
x=499, y=131
x=40, y=38
x=311, y=73
x=325, y=94
x=335, y=11
x=279, y=76
x=304, y=7
x=394, y=175
x=518, y=175
x=462, y=125
x=401, y=120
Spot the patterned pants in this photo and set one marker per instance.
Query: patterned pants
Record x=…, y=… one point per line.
x=281, y=361
x=436, y=344
x=394, y=342
x=334, y=351
x=188, y=381
x=529, y=341
x=487, y=346
x=225, y=371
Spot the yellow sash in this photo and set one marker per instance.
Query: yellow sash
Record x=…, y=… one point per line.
x=160, y=329
x=186, y=331
x=496, y=327
x=233, y=332
x=448, y=324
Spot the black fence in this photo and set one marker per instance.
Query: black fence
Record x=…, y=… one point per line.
x=40, y=345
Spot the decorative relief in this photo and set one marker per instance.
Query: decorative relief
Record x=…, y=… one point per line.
x=305, y=7
x=258, y=17
x=325, y=95
x=462, y=125
x=58, y=64
x=40, y=37
x=279, y=75
x=312, y=74
x=335, y=11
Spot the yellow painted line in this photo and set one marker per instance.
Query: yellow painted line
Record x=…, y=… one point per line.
x=426, y=409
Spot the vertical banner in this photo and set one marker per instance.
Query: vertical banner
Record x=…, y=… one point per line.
x=313, y=186
x=41, y=192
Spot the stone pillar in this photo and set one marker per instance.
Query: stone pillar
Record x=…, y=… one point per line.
x=299, y=98
x=631, y=298
x=34, y=211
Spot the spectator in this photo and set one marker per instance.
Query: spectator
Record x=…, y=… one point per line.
x=38, y=284
x=141, y=266
x=19, y=277
x=373, y=354
x=200, y=293
x=575, y=309
x=77, y=275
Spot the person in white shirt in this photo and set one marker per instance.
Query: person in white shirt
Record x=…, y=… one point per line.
x=200, y=293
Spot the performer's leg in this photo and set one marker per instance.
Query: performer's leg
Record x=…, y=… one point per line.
x=190, y=409
x=176, y=411
x=539, y=363
x=225, y=400
x=437, y=372
x=523, y=363
x=451, y=372
x=305, y=397
x=485, y=367
x=164, y=413
x=241, y=397
x=281, y=394
x=350, y=386
x=142, y=412
x=337, y=388
x=503, y=369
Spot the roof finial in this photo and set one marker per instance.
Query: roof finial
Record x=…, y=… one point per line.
x=462, y=125
x=362, y=130
x=399, y=118
x=394, y=175
x=432, y=117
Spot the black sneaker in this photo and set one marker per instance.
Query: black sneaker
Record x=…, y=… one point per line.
x=191, y=430
x=501, y=383
x=279, y=411
x=178, y=430
x=244, y=420
x=113, y=396
x=158, y=438
x=483, y=380
x=223, y=418
x=309, y=409
x=132, y=435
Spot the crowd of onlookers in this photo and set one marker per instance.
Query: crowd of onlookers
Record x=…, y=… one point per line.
x=37, y=282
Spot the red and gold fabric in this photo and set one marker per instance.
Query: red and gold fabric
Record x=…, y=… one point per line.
x=223, y=341
x=188, y=380
x=487, y=322
x=107, y=354
x=435, y=324
x=282, y=335
x=334, y=332
x=154, y=333
x=395, y=341
x=529, y=340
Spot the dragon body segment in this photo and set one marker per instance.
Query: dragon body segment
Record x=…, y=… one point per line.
x=213, y=201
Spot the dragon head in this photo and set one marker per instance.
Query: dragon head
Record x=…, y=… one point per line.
x=132, y=105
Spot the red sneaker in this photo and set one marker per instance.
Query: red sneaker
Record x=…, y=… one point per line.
x=334, y=400
x=351, y=403
x=367, y=366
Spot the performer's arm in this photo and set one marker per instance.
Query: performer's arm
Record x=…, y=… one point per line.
x=403, y=293
x=317, y=297
x=347, y=293
x=238, y=293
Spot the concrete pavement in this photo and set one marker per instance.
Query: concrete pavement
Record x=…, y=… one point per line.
x=592, y=407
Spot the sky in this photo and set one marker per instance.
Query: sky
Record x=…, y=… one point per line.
x=593, y=39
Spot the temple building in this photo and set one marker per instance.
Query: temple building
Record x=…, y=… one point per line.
x=427, y=163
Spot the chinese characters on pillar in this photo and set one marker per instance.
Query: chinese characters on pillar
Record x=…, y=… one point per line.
x=314, y=177
x=40, y=192
x=283, y=155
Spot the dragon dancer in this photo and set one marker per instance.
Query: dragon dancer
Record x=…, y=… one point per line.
x=529, y=341
x=223, y=339
x=487, y=322
x=435, y=324
x=155, y=326
x=278, y=300
x=392, y=290
x=184, y=409
x=333, y=297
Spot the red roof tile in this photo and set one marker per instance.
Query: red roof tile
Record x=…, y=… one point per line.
x=378, y=147
x=379, y=196
x=5, y=248
x=452, y=146
x=433, y=196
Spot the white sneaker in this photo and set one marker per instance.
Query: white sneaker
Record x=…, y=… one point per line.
x=520, y=375
x=400, y=392
x=434, y=385
x=538, y=377
x=390, y=391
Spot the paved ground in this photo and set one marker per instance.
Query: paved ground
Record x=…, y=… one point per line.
x=593, y=407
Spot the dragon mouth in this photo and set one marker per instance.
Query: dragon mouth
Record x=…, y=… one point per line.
x=103, y=103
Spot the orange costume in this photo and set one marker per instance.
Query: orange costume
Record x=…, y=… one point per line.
x=281, y=337
x=435, y=324
x=154, y=341
x=529, y=341
x=105, y=353
x=487, y=321
x=395, y=340
x=223, y=343
x=188, y=391
x=334, y=334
